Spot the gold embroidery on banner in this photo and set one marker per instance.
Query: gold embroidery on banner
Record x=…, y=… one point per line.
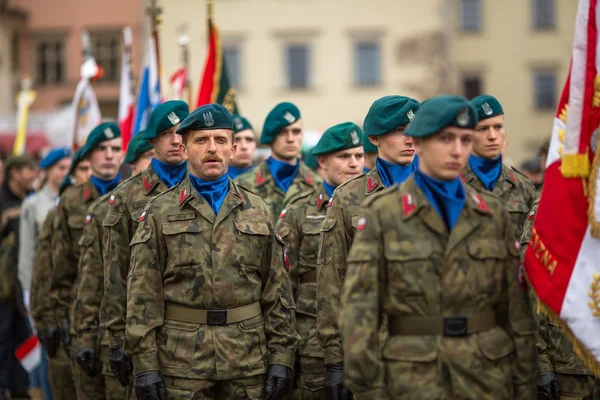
x=591, y=194
x=594, y=295
x=542, y=254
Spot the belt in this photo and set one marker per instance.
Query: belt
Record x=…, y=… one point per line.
x=212, y=317
x=309, y=277
x=446, y=326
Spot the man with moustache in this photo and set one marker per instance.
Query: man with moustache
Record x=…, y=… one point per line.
x=246, y=146
x=341, y=156
x=384, y=125
x=282, y=176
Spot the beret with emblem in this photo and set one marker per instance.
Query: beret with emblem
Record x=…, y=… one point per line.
x=388, y=113
x=442, y=111
x=339, y=137
x=137, y=146
x=54, y=156
x=240, y=124
x=165, y=116
x=103, y=132
x=282, y=115
x=209, y=116
x=487, y=106
x=368, y=146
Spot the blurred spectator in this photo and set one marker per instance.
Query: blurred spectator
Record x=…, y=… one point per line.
x=532, y=168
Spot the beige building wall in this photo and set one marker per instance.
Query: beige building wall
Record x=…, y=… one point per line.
x=12, y=21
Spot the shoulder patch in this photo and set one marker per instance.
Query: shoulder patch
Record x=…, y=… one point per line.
x=371, y=184
x=147, y=183
x=283, y=213
x=286, y=260
x=112, y=199
x=309, y=179
x=320, y=200
x=361, y=224
x=86, y=193
x=143, y=216
x=88, y=219
x=330, y=202
x=183, y=195
x=463, y=177
x=480, y=203
x=531, y=215
x=259, y=179
x=408, y=204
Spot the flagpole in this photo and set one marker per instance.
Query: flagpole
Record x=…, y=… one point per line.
x=183, y=40
x=155, y=14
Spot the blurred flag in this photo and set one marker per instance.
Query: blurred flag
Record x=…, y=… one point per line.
x=562, y=258
x=29, y=353
x=126, y=101
x=24, y=100
x=149, y=87
x=178, y=83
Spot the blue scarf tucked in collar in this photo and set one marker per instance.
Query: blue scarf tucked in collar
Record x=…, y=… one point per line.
x=447, y=197
x=393, y=174
x=283, y=173
x=105, y=186
x=365, y=170
x=234, y=172
x=213, y=192
x=329, y=188
x=169, y=174
x=488, y=171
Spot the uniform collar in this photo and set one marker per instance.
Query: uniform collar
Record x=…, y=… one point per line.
x=321, y=196
x=90, y=193
x=505, y=182
x=188, y=196
x=263, y=175
x=374, y=182
x=150, y=180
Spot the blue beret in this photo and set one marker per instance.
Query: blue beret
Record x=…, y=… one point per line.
x=368, y=146
x=54, y=156
x=388, y=113
x=103, y=132
x=442, y=111
x=240, y=123
x=339, y=137
x=487, y=106
x=164, y=116
x=137, y=146
x=209, y=116
x=282, y=115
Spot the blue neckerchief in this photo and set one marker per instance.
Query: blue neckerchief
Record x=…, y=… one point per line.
x=447, y=197
x=283, y=173
x=488, y=171
x=392, y=174
x=213, y=192
x=234, y=172
x=416, y=162
x=104, y=186
x=329, y=188
x=365, y=170
x=169, y=174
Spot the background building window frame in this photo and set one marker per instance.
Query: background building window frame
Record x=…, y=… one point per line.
x=367, y=63
x=543, y=14
x=471, y=84
x=50, y=60
x=232, y=54
x=107, y=50
x=545, y=84
x=469, y=15
x=297, y=65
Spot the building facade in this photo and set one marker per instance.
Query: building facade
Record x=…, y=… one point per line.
x=12, y=21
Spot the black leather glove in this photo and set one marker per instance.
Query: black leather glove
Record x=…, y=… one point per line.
x=49, y=338
x=334, y=383
x=548, y=387
x=150, y=386
x=65, y=337
x=279, y=382
x=120, y=364
x=87, y=360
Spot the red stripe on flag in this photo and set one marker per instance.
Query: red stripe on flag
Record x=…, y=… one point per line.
x=26, y=347
x=126, y=126
x=207, y=84
x=588, y=123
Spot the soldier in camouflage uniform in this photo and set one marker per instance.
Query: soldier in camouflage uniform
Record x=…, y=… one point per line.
x=440, y=261
x=121, y=222
x=485, y=171
x=341, y=156
x=103, y=150
x=246, y=146
x=384, y=125
x=562, y=373
x=282, y=176
x=209, y=300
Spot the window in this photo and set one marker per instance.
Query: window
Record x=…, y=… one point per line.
x=231, y=56
x=367, y=64
x=50, y=61
x=471, y=86
x=544, y=89
x=543, y=14
x=470, y=15
x=106, y=48
x=297, y=59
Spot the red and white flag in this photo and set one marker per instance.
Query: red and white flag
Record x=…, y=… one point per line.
x=29, y=353
x=177, y=81
x=562, y=259
x=126, y=96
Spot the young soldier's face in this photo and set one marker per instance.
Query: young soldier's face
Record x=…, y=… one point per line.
x=443, y=155
x=57, y=172
x=246, y=145
x=489, y=138
x=288, y=143
x=82, y=172
x=142, y=162
x=167, y=146
x=209, y=152
x=343, y=165
x=395, y=147
x=106, y=158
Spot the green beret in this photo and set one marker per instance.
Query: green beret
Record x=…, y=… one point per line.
x=165, y=116
x=310, y=161
x=368, y=146
x=209, y=116
x=68, y=181
x=282, y=115
x=388, y=113
x=487, y=106
x=240, y=124
x=339, y=137
x=103, y=132
x=137, y=146
x=442, y=111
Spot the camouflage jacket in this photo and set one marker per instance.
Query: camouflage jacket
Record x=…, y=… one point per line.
x=182, y=255
x=121, y=222
x=64, y=281
x=514, y=190
x=404, y=263
x=555, y=351
x=10, y=210
x=260, y=182
x=337, y=235
x=91, y=272
x=299, y=226
x=41, y=309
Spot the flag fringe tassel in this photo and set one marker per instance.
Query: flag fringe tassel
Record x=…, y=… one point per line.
x=594, y=224
x=575, y=165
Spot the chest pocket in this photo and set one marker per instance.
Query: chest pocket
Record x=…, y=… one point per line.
x=76, y=224
x=410, y=266
x=488, y=257
x=183, y=239
x=518, y=212
x=251, y=240
x=309, y=247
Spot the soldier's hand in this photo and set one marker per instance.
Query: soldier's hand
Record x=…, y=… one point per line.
x=50, y=340
x=279, y=382
x=334, y=383
x=65, y=337
x=120, y=364
x=548, y=387
x=87, y=360
x=149, y=385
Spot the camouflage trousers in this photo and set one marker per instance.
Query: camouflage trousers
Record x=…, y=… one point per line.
x=198, y=389
x=311, y=376
x=577, y=387
x=61, y=378
x=112, y=388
